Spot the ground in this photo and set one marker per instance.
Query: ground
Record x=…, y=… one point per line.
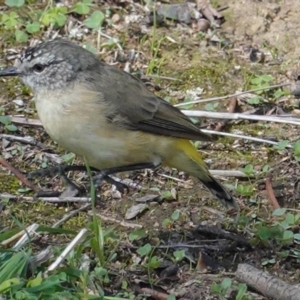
x=184, y=212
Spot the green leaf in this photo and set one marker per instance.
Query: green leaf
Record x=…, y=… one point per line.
x=264, y=233
x=67, y=158
x=211, y=106
x=8, y=284
x=5, y=120
x=281, y=145
x=143, y=251
x=14, y=267
x=297, y=236
x=81, y=8
x=242, y=289
x=175, y=215
x=266, y=78
x=226, y=283
x=278, y=94
x=290, y=219
x=11, y=127
x=256, y=80
x=288, y=235
x=33, y=27
x=56, y=16
x=254, y=100
x=296, y=148
x=137, y=234
x=21, y=36
x=278, y=212
x=10, y=20
x=35, y=281
x=60, y=20
x=248, y=170
x=95, y=20
x=14, y=3
x=179, y=255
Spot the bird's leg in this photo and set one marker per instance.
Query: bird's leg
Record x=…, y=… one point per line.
x=106, y=172
x=71, y=190
x=62, y=170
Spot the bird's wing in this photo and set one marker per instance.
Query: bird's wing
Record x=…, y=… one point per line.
x=136, y=108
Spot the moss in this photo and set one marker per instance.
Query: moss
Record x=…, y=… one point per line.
x=8, y=183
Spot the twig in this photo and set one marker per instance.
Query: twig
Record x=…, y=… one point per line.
x=269, y=286
x=25, y=121
x=67, y=250
x=26, y=140
x=46, y=199
x=23, y=233
x=154, y=294
x=69, y=215
x=270, y=191
x=19, y=175
x=233, y=95
x=229, y=173
x=162, y=77
x=231, y=109
x=121, y=223
x=28, y=234
x=250, y=138
x=238, y=116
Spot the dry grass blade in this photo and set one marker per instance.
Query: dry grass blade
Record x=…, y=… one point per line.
x=245, y=137
x=238, y=116
x=232, y=95
x=67, y=250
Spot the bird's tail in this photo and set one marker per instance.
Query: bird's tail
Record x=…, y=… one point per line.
x=186, y=158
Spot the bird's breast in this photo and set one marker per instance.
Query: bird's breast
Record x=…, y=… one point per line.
x=80, y=125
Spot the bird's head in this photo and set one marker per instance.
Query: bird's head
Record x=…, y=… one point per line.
x=51, y=65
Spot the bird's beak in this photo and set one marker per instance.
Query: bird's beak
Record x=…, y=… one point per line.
x=11, y=71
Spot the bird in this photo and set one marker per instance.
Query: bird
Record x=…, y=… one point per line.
x=108, y=116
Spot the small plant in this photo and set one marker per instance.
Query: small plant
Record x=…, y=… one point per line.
x=281, y=232
x=248, y=170
x=224, y=288
x=296, y=149
x=244, y=190
x=281, y=145
x=168, y=222
x=6, y=121
x=151, y=262
x=23, y=24
x=212, y=106
x=263, y=82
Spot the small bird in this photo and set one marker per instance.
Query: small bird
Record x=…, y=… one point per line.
x=106, y=115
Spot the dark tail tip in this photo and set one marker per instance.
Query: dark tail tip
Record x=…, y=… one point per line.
x=220, y=192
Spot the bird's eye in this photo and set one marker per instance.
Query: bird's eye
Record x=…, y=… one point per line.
x=38, y=68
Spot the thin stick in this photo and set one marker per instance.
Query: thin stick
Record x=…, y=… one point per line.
x=238, y=116
x=23, y=139
x=229, y=173
x=233, y=95
x=270, y=191
x=67, y=250
x=69, y=215
x=243, y=137
x=121, y=223
x=18, y=174
x=46, y=199
x=25, y=121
